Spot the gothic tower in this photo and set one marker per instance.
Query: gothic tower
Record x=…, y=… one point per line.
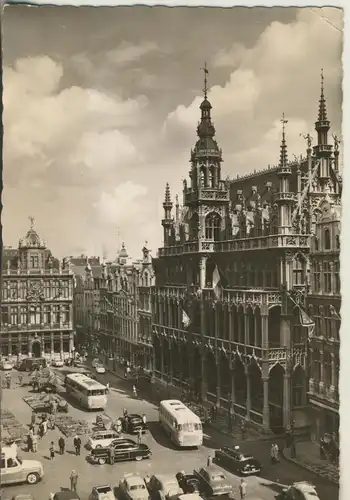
x=167, y=222
x=323, y=150
x=284, y=198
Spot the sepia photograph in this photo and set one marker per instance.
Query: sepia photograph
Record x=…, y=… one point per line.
x=171, y=237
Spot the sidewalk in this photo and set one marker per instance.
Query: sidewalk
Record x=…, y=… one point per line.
x=308, y=457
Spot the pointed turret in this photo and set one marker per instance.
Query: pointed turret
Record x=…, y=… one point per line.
x=167, y=222
x=284, y=149
x=284, y=198
x=323, y=150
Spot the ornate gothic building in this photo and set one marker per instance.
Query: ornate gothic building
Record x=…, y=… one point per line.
x=37, y=301
x=232, y=278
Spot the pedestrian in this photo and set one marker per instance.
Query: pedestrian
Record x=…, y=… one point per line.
x=243, y=489
x=20, y=379
x=134, y=391
x=272, y=454
x=44, y=426
x=51, y=421
x=144, y=419
x=243, y=429
x=35, y=443
x=73, y=480
x=277, y=452
x=139, y=436
x=107, y=387
x=125, y=412
x=111, y=453
x=77, y=444
x=29, y=443
x=8, y=382
x=61, y=445
x=209, y=460
x=53, y=407
x=52, y=450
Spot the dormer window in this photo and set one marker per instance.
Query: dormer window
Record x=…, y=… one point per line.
x=34, y=261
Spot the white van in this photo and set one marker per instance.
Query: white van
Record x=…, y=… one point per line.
x=101, y=439
x=15, y=470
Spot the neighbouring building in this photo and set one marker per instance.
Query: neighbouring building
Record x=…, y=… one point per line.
x=324, y=303
x=233, y=276
x=37, y=301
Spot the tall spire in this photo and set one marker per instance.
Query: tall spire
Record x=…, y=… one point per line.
x=167, y=199
x=205, y=89
x=283, y=153
x=322, y=110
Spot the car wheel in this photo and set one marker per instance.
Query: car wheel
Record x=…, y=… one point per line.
x=138, y=458
x=102, y=461
x=33, y=478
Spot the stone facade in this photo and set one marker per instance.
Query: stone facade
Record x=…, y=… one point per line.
x=37, y=301
x=233, y=275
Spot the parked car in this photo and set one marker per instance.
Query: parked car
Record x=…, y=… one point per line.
x=133, y=424
x=189, y=483
x=238, y=463
x=31, y=364
x=104, y=492
x=66, y=495
x=124, y=450
x=6, y=365
x=300, y=491
x=100, y=369
x=164, y=487
x=213, y=481
x=133, y=487
x=23, y=496
x=57, y=363
x=101, y=439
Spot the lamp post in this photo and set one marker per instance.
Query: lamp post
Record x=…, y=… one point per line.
x=229, y=399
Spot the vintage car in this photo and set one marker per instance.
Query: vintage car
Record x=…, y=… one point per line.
x=6, y=365
x=133, y=487
x=103, y=492
x=164, y=486
x=101, y=439
x=300, y=491
x=66, y=495
x=57, y=363
x=124, y=450
x=133, y=424
x=238, y=463
x=213, y=481
x=100, y=369
x=14, y=470
x=189, y=483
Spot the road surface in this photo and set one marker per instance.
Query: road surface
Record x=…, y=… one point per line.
x=165, y=459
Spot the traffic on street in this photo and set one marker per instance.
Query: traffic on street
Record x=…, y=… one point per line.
x=126, y=442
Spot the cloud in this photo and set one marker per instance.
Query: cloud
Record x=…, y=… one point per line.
x=128, y=53
x=49, y=130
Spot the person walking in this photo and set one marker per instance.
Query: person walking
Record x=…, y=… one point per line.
x=77, y=444
x=53, y=407
x=52, y=450
x=272, y=454
x=134, y=391
x=29, y=442
x=243, y=429
x=73, y=480
x=243, y=489
x=35, y=442
x=125, y=412
x=44, y=426
x=51, y=421
x=107, y=387
x=111, y=453
x=61, y=445
x=20, y=379
x=144, y=419
x=139, y=436
x=277, y=453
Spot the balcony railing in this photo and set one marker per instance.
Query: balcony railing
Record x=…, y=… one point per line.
x=254, y=243
x=207, y=194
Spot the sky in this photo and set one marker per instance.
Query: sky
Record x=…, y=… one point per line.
x=101, y=107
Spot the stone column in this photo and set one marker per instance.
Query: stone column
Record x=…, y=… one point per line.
x=71, y=343
x=170, y=369
x=161, y=360
x=246, y=328
x=61, y=345
x=202, y=272
x=286, y=400
x=30, y=346
x=249, y=402
x=218, y=383
x=264, y=328
x=321, y=382
x=266, y=407
x=230, y=325
x=19, y=343
x=256, y=320
x=10, y=344
x=204, y=378
x=52, y=344
x=233, y=386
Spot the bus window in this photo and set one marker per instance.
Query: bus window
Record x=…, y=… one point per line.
x=197, y=427
x=97, y=392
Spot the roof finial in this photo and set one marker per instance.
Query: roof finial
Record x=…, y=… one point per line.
x=206, y=72
x=31, y=220
x=167, y=198
x=322, y=111
x=283, y=155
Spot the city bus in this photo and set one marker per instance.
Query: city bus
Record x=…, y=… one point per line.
x=90, y=393
x=183, y=427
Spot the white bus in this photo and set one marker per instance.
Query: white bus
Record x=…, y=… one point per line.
x=90, y=393
x=180, y=423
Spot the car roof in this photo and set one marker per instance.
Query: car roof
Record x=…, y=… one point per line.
x=133, y=415
x=98, y=433
x=66, y=495
x=165, y=478
x=212, y=469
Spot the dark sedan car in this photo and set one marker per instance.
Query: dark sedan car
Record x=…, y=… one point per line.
x=238, y=463
x=133, y=423
x=189, y=483
x=124, y=450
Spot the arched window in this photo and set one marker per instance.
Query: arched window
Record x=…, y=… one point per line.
x=202, y=177
x=211, y=178
x=212, y=226
x=146, y=279
x=194, y=222
x=327, y=239
x=298, y=270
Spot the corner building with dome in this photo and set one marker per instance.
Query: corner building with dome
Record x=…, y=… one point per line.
x=232, y=318
x=37, y=301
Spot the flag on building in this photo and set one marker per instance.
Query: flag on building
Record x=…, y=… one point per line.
x=304, y=318
x=217, y=285
x=334, y=312
x=185, y=319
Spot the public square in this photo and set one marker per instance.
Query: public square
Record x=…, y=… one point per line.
x=165, y=459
